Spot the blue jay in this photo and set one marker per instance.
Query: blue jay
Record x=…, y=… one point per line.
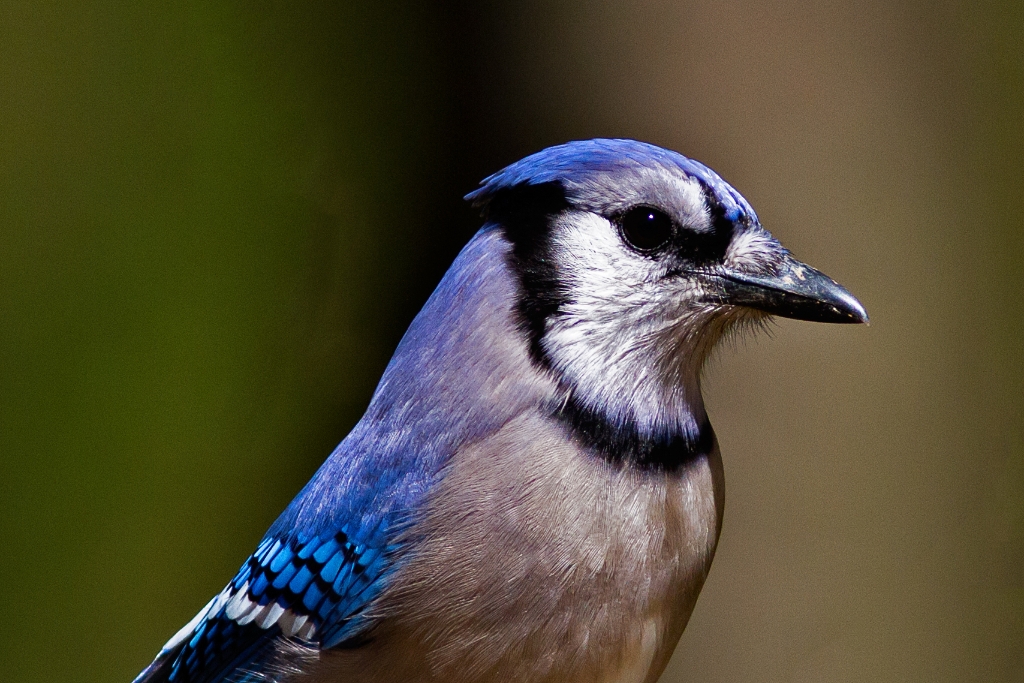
x=535, y=491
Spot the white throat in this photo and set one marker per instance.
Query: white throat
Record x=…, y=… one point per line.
x=631, y=347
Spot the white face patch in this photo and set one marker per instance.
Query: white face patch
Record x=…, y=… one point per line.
x=631, y=341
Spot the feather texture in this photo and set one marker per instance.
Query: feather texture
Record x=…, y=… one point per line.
x=535, y=492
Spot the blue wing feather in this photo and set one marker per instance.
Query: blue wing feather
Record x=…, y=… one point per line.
x=331, y=552
x=300, y=576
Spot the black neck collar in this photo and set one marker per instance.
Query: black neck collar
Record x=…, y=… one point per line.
x=626, y=445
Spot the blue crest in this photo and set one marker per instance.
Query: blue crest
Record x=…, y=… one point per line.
x=574, y=162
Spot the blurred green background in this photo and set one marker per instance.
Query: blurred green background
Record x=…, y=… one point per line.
x=216, y=220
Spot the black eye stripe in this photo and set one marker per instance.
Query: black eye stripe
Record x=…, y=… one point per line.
x=703, y=248
x=652, y=232
x=722, y=228
x=712, y=246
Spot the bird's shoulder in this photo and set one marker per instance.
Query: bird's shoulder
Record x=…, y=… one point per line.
x=315, y=572
x=454, y=380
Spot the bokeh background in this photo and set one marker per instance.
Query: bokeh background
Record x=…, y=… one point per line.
x=217, y=218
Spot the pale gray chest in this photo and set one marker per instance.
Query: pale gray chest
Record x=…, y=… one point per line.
x=539, y=562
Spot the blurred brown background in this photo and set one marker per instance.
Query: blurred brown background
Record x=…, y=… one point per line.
x=217, y=218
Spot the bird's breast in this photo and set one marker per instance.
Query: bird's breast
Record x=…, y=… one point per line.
x=537, y=561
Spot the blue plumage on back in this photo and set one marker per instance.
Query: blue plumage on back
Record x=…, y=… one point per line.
x=331, y=551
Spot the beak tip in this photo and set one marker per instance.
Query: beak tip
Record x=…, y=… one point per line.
x=854, y=308
x=858, y=314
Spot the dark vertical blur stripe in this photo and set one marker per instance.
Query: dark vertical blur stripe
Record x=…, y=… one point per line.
x=212, y=235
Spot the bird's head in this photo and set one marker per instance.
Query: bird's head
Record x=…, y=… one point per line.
x=633, y=262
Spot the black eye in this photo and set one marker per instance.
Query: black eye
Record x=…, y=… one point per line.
x=645, y=229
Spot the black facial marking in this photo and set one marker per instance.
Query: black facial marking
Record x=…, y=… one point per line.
x=524, y=214
x=704, y=248
x=624, y=444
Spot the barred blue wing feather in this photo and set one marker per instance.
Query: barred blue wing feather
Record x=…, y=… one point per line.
x=311, y=589
x=331, y=552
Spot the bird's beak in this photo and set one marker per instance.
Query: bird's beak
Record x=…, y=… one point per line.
x=796, y=291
